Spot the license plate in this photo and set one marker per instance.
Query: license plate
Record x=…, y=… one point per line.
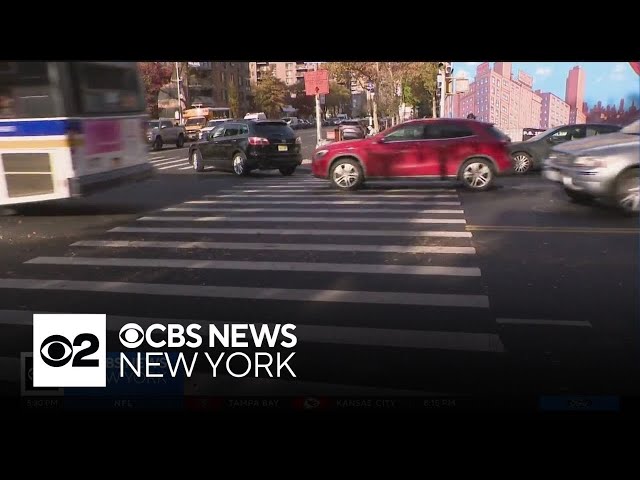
x=567, y=181
x=282, y=148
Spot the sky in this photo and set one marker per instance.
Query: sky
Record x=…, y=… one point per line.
x=604, y=81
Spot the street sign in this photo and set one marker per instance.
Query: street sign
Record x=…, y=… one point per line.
x=316, y=82
x=462, y=85
x=370, y=87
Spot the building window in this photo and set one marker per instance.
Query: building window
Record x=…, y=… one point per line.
x=222, y=76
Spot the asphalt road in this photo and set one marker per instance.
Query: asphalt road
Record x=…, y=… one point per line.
x=400, y=288
x=172, y=160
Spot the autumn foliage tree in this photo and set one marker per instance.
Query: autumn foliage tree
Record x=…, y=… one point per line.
x=303, y=103
x=270, y=96
x=234, y=100
x=155, y=75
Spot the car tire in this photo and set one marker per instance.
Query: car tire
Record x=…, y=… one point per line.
x=627, y=191
x=477, y=174
x=196, y=161
x=239, y=163
x=286, y=171
x=180, y=142
x=578, y=197
x=157, y=143
x=522, y=162
x=346, y=174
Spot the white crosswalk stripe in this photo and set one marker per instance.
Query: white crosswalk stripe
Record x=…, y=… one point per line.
x=181, y=164
x=441, y=211
x=408, y=242
x=168, y=162
x=302, y=219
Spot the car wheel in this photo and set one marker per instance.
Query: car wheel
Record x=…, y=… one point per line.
x=180, y=142
x=157, y=144
x=240, y=164
x=286, y=171
x=196, y=161
x=521, y=162
x=346, y=174
x=578, y=197
x=477, y=174
x=628, y=191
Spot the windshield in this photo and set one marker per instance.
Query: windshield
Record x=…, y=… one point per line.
x=151, y=125
x=542, y=134
x=632, y=129
x=195, y=121
x=269, y=128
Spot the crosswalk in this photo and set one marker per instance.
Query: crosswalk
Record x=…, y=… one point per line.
x=169, y=161
x=380, y=268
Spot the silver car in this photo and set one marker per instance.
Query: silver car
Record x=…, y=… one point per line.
x=604, y=166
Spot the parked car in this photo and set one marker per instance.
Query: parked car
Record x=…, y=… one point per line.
x=530, y=154
x=244, y=145
x=163, y=131
x=459, y=149
x=255, y=116
x=352, y=129
x=606, y=167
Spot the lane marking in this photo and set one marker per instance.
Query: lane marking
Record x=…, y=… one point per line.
x=329, y=191
x=318, y=247
x=316, y=202
x=552, y=323
x=312, y=210
x=188, y=167
x=506, y=228
x=251, y=293
x=364, y=194
x=172, y=166
x=167, y=162
x=324, y=334
x=305, y=219
x=297, y=231
x=259, y=266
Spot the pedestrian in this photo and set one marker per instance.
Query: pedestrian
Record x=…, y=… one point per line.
x=471, y=116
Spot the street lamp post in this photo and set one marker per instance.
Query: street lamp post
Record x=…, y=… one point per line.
x=179, y=102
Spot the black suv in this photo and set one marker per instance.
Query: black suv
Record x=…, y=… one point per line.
x=530, y=154
x=245, y=145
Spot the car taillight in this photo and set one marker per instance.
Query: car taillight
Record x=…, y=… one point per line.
x=258, y=141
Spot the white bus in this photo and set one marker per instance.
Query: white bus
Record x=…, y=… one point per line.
x=69, y=129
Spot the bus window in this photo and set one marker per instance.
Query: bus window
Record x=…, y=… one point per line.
x=107, y=88
x=26, y=91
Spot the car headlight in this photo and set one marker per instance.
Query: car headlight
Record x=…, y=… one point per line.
x=589, y=162
x=321, y=153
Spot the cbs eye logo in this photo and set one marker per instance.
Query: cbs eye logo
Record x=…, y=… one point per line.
x=57, y=350
x=131, y=335
x=69, y=350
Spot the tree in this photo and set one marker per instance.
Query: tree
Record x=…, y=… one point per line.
x=303, y=103
x=270, y=96
x=364, y=73
x=155, y=75
x=234, y=99
x=338, y=96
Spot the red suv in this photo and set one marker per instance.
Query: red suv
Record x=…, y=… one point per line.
x=467, y=150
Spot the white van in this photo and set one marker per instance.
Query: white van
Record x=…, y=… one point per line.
x=255, y=116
